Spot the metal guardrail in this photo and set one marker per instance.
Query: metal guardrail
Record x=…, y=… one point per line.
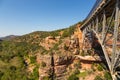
x=94, y=7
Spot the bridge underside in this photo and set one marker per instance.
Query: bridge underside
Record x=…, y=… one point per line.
x=102, y=30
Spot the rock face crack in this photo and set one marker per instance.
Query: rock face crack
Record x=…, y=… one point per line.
x=52, y=76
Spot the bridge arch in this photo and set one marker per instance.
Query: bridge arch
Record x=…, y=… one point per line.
x=102, y=28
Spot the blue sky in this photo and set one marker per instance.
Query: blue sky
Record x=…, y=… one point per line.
x=18, y=17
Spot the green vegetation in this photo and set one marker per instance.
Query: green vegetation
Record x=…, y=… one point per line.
x=78, y=65
x=66, y=47
x=69, y=31
x=43, y=64
x=35, y=74
x=83, y=74
x=107, y=76
x=98, y=78
x=46, y=78
x=12, y=62
x=33, y=59
x=55, y=47
x=99, y=68
x=74, y=75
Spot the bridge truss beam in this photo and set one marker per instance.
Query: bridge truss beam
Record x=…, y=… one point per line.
x=104, y=28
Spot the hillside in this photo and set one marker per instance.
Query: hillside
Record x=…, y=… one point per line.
x=54, y=55
x=8, y=37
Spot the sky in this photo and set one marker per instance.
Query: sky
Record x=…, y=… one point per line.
x=19, y=17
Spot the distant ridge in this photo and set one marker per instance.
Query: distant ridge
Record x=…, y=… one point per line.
x=0, y=40
x=8, y=37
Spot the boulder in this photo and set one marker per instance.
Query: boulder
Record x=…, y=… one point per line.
x=62, y=60
x=59, y=70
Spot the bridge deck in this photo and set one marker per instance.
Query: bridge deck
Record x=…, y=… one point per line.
x=99, y=11
x=101, y=30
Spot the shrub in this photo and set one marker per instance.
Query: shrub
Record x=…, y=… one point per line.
x=82, y=53
x=65, y=33
x=73, y=77
x=36, y=74
x=68, y=32
x=83, y=74
x=76, y=72
x=98, y=78
x=33, y=59
x=107, y=76
x=46, y=78
x=13, y=68
x=1, y=74
x=54, y=33
x=55, y=47
x=100, y=68
x=43, y=64
x=78, y=65
x=65, y=47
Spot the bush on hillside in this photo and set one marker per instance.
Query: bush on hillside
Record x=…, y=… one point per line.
x=66, y=47
x=43, y=64
x=107, y=76
x=33, y=59
x=73, y=77
x=98, y=78
x=68, y=32
x=99, y=68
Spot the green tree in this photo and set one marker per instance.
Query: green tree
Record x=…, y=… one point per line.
x=1, y=74
x=107, y=76
x=98, y=78
x=73, y=77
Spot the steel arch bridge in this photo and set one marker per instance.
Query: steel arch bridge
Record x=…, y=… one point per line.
x=102, y=29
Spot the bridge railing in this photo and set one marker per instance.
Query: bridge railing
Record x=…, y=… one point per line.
x=94, y=7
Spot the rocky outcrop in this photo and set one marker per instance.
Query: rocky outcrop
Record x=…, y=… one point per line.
x=49, y=42
x=45, y=66
x=60, y=70
x=56, y=65
x=63, y=60
x=60, y=65
x=79, y=35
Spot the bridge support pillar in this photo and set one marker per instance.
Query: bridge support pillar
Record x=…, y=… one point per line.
x=115, y=36
x=97, y=24
x=104, y=26
x=93, y=25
